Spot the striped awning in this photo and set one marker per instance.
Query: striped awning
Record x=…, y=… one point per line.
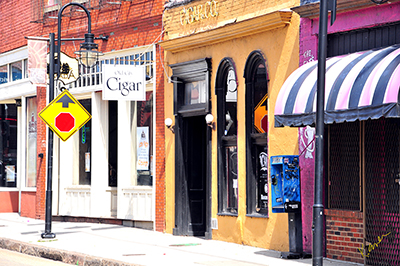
x=359, y=86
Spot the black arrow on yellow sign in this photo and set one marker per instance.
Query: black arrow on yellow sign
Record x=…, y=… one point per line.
x=65, y=100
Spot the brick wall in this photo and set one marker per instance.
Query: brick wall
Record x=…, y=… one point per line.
x=9, y=201
x=130, y=24
x=160, y=147
x=15, y=24
x=28, y=204
x=41, y=162
x=344, y=235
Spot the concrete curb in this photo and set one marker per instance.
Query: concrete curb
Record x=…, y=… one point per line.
x=69, y=257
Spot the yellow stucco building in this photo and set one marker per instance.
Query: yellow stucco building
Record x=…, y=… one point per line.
x=225, y=63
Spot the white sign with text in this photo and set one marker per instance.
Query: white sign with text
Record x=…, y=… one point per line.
x=124, y=82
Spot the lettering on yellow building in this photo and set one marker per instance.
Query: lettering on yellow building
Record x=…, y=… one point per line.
x=197, y=13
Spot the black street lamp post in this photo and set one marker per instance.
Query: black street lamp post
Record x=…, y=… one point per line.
x=318, y=207
x=88, y=57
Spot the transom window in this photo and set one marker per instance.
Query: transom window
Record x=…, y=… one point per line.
x=13, y=71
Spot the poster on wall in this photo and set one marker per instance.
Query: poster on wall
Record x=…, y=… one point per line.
x=124, y=82
x=143, y=148
x=10, y=173
x=87, y=162
x=31, y=140
x=263, y=180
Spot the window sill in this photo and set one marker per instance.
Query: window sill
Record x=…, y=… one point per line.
x=54, y=7
x=28, y=189
x=227, y=214
x=8, y=189
x=257, y=215
x=15, y=82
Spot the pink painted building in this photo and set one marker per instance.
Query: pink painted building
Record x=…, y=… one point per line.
x=362, y=132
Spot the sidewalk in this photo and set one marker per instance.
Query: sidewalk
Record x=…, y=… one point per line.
x=105, y=244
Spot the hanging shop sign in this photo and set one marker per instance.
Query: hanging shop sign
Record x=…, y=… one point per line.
x=65, y=115
x=124, y=82
x=198, y=13
x=69, y=69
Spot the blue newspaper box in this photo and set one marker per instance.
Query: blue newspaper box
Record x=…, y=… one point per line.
x=285, y=183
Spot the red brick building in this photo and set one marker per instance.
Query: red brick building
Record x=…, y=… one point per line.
x=96, y=173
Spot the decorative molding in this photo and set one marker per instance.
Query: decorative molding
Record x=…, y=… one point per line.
x=312, y=10
x=229, y=31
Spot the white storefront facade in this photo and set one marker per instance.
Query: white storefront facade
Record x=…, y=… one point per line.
x=106, y=169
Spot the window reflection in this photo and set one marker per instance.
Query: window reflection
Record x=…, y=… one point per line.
x=16, y=71
x=142, y=141
x=31, y=154
x=85, y=143
x=195, y=92
x=3, y=74
x=8, y=145
x=232, y=179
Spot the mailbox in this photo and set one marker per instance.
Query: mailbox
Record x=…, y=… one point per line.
x=285, y=183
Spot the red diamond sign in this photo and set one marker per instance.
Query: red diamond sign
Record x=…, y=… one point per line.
x=65, y=115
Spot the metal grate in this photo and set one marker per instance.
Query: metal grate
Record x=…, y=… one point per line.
x=344, y=166
x=382, y=219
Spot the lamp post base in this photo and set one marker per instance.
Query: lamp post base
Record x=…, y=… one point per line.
x=48, y=235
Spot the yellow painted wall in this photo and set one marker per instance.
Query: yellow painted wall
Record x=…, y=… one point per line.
x=280, y=48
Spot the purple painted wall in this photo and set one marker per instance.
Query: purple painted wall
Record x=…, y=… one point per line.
x=365, y=18
x=307, y=155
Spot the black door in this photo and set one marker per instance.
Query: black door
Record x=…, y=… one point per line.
x=191, y=173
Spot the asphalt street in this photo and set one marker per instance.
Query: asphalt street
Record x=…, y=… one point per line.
x=12, y=258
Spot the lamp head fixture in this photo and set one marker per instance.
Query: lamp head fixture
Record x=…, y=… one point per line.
x=209, y=120
x=88, y=54
x=168, y=124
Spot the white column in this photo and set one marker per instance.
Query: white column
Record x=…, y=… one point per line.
x=56, y=175
x=21, y=147
x=66, y=153
x=100, y=199
x=124, y=154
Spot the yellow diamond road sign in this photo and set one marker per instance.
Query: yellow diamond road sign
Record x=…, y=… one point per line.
x=65, y=115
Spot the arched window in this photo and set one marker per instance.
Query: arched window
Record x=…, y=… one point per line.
x=256, y=78
x=226, y=91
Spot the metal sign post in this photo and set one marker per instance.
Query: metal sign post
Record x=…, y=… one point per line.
x=318, y=207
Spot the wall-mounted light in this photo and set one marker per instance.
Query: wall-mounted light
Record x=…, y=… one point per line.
x=168, y=124
x=18, y=102
x=209, y=121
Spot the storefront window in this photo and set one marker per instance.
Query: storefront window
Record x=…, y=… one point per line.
x=142, y=132
x=256, y=135
x=84, y=147
x=8, y=145
x=226, y=91
x=3, y=74
x=31, y=154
